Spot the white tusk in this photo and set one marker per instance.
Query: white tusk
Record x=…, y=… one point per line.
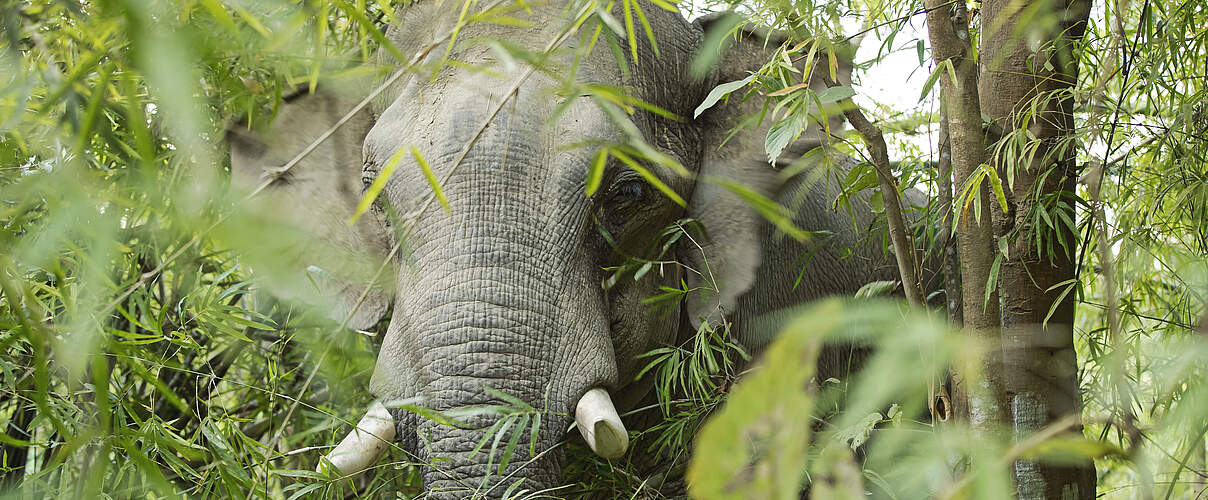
x=362, y=447
x=600, y=425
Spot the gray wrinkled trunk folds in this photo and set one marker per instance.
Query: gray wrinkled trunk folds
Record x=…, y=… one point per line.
x=496, y=301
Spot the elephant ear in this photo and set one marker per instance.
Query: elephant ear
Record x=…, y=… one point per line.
x=732, y=155
x=297, y=232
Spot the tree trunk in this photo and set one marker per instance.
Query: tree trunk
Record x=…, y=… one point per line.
x=1029, y=67
x=948, y=29
x=953, y=295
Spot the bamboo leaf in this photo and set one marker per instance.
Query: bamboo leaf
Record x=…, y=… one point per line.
x=654, y=45
x=834, y=94
x=719, y=92
x=996, y=186
x=650, y=178
x=596, y=172
x=788, y=90
x=375, y=187
x=371, y=29
x=508, y=398
x=431, y=177
x=630, y=35
x=935, y=74
x=770, y=210
x=536, y=429
x=783, y=133
x=1069, y=285
x=512, y=442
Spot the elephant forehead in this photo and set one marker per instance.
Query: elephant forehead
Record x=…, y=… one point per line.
x=462, y=128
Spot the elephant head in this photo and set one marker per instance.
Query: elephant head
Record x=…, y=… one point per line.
x=499, y=290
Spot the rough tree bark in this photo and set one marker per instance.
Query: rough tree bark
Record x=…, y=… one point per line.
x=948, y=29
x=953, y=299
x=1028, y=69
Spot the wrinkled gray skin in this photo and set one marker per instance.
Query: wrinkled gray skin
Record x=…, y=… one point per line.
x=505, y=289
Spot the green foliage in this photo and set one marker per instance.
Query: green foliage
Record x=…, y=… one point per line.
x=757, y=445
x=138, y=358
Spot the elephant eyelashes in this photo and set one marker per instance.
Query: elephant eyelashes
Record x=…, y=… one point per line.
x=366, y=180
x=627, y=192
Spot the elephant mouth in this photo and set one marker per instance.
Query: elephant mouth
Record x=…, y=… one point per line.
x=595, y=417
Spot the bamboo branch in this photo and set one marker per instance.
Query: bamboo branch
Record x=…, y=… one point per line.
x=879, y=152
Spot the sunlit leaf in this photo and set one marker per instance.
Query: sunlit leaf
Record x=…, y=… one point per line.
x=719, y=92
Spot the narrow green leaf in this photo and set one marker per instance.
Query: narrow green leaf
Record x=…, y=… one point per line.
x=486, y=436
x=94, y=105
x=508, y=398
x=770, y=210
x=654, y=45
x=992, y=282
x=782, y=134
x=630, y=34
x=536, y=429
x=637, y=275
x=719, y=92
x=935, y=75
x=835, y=94
x=877, y=288
x=1069, y=285
x=372, y=30
x=651, y=178
x=221, y=15
x=613, y=24
x=433, y=415
x=84, y=68
x=423, y=165
x=996, y=186
x=947, y=64
x=663, y=4
x=305, y=491
x=596, y=173
x=371, y=193
x=499, y=434
x=513, y=440
x=253, y=22
x=788, y=90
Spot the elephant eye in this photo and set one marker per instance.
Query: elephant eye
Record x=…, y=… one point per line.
x=366, y=180
x=628, y=191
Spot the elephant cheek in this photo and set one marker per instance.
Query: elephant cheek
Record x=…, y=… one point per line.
x=639, y=326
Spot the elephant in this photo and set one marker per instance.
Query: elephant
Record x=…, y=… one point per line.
x=500, y=290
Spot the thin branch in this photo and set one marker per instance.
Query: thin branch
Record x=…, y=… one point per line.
x=902, y=249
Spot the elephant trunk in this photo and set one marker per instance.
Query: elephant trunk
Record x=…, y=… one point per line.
x=491, y=450
x=486, y=349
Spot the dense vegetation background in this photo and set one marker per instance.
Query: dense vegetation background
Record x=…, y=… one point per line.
x=139, y=361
